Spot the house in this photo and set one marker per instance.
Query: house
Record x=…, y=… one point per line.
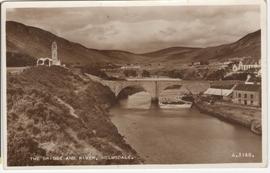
x=253, y=80
x=220, y=92
x=129, y=67
x=235, y=67
x=246, y=64
x=247, y=94
x=227, y=62
x=196, y=63
x=259, y=73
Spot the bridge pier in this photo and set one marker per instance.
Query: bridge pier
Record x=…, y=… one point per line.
x=155, y=103
x=156, y=92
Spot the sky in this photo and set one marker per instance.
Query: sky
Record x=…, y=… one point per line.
x=144, y=29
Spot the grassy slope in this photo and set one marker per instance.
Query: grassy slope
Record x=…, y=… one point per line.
x=41, y=125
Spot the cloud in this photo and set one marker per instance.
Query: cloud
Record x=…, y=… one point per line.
x=144, y=29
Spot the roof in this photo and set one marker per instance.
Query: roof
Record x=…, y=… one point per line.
x=219, y=86
x=218, y=92
x=254, y=79
x=247, y=87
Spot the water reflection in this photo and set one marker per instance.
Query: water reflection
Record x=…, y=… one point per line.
x=140, y=100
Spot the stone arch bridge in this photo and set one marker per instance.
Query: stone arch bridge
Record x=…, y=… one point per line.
x=154, y=86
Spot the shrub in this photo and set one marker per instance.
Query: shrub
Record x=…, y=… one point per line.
x=94, y=70
x=216, y=75
x=130, y=73
x=145, y=73
x=19, y=60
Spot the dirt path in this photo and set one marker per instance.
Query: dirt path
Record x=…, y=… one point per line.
x=70, y=108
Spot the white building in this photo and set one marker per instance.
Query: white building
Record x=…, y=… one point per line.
x=130, y=67
x=54, y=60
x=246, y=64
x=44, y=61
x=220, y=91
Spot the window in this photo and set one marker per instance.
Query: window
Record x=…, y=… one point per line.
x=245, y=102
x=251, y=96
x=239, y=95
x=251, y=102
x=239, y=100
x=245, y=95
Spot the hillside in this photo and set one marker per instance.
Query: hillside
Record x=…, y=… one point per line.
x=124, y=56
x=170, y=52
x=52, y=112
x=249, y=45
x=35, y=42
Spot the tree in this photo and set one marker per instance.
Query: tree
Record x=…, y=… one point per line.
x=216, y=75
x=145, y=73
x=19, y=60
x=94, y=70
x=175, y=74
x=130, y=73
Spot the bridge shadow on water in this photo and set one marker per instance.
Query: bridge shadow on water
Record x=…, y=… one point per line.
x=125, y=103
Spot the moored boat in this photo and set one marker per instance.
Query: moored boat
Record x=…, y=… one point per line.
x=175, y=105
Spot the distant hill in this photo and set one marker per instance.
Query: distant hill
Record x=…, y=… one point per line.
x=170, y=52
x=249, y=45
x=35, y=42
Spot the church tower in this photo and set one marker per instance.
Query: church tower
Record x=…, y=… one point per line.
x=55, y=60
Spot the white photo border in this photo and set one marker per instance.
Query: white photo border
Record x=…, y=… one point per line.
x=64, y=4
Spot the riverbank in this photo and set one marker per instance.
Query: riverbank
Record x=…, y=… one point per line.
x=56, y=117
x=245, y=116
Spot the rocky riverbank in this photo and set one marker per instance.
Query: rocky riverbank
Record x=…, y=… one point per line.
x=247, y=117
x=56, y=117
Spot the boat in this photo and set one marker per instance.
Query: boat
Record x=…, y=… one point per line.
x=175, y=104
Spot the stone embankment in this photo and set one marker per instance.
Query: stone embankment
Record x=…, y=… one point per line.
x=249, y=117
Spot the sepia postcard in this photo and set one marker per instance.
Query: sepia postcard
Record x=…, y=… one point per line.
x=131, y=84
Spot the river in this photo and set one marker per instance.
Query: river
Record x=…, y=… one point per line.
x=182, y=136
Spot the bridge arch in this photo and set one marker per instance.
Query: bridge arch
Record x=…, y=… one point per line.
x=172, y=92
x=147, y=87
x=129, y=90
x=177, y=86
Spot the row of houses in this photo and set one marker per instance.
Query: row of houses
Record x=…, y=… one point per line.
x=242, y=64
x=248, y=93
x=246, y=64
x=236, y=65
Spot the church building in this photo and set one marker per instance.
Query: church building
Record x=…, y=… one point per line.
x=54, y=60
